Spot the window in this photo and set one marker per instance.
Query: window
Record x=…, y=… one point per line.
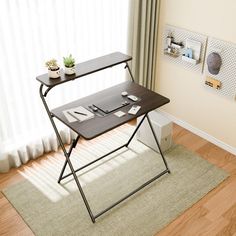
x=33, y=31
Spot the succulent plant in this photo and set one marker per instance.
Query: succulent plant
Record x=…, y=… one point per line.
x=52, y=64
x=69, y=61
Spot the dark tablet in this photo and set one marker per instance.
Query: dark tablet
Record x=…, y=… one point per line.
x=110, y=104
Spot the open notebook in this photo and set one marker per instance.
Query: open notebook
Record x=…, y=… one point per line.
x=78, y=114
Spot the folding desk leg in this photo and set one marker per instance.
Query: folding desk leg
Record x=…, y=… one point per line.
x=135, y=131
x=73, y=145
x=158, y=145
x=66, y=155
x=73, y=172
x=153, y=132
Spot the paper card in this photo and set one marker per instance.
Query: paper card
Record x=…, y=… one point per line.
x=119, y=113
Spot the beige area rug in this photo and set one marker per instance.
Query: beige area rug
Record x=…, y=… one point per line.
x=52, y=209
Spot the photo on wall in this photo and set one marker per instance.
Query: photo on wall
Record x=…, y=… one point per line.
x=219, y=67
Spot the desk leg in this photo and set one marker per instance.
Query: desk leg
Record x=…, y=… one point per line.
x=73, y=173
x=66, y=154
x=135, y=131
x=153, y=132
x=73, y=145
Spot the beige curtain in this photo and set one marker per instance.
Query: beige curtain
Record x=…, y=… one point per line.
x=143, y=40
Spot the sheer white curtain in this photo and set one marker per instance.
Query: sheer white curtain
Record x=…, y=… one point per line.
x=33, y=31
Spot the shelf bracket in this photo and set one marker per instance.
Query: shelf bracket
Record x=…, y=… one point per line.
x=127, y=66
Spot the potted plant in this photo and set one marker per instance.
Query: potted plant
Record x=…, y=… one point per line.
x=69, y=63
x=53, y=69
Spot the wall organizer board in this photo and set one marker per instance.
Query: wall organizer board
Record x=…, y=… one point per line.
x=220, y=67
x=184, y=47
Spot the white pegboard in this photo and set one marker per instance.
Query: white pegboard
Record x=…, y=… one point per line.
x=227, y=73
x=180, y=35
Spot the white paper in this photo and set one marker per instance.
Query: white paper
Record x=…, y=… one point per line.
x=69, y=117
x=72, y=116
x=119, y=113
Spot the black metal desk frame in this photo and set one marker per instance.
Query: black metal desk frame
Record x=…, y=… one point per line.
x=67, y=154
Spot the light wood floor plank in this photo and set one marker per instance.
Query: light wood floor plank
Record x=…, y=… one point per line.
x=230, y=228
x=214, y=227
x=225, y=199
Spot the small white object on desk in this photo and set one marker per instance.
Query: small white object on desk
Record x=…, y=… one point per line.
x=134, y=110
x=123, y=94
x=133, y=98
x=94, y=108
x=119, y=113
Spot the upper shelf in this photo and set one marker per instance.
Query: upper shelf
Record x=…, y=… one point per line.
x=87, y=67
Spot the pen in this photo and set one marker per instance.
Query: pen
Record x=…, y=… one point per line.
x=70, y=113
x=80, y=113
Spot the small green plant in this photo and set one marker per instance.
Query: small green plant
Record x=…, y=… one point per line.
x=52, y=65
x=69, y=61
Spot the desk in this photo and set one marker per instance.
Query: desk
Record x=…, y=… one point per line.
x=96, y=126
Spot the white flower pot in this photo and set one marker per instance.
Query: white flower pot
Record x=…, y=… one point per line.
x=54, y=74
x=69, y=70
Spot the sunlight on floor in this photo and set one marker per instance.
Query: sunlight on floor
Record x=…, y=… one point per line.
x=45, y=175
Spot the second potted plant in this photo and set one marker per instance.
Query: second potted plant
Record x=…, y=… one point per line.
x=69, y=63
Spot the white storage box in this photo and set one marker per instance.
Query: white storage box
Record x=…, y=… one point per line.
x=163, y=130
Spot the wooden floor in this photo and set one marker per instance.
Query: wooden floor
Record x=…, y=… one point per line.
x=215, y=214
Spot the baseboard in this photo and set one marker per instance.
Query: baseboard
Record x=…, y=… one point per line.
x=200, y=133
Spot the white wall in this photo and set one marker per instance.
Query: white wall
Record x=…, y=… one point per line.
x=206, y=111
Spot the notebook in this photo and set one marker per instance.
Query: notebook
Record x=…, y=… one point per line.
x=78, y=114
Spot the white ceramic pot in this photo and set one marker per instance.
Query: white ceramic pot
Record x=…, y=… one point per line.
x=54, y=74
x=69, y=70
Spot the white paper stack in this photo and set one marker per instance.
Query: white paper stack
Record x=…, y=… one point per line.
x=78, y=114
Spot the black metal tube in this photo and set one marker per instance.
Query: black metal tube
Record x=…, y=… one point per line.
x=66, y=155
x=158, y=145
x=92, y=162
x=127, y=144
x=73, y=145
x=62, y=172
x=127, y=65
x=46, y=92
x=131, y=193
